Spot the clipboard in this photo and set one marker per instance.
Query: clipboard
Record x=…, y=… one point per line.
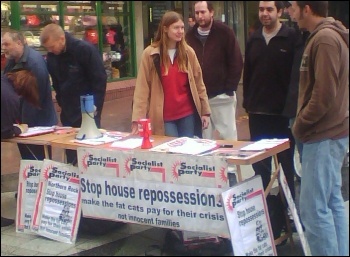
x=35, y=131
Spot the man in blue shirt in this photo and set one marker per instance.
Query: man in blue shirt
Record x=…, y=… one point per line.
x=21, y=56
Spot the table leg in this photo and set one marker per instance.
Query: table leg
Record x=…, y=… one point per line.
x=239, y=173
x=275, y=173
x=64, y=156
x=46, y=152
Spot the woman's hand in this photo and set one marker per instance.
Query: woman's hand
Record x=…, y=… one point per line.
x=134, y=128
x=205, y=122
x=22, y=128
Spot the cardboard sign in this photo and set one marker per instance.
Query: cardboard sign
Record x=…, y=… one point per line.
x=248, y=219
x=28, y=181
x=57, y=208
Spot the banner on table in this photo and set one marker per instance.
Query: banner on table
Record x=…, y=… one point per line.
x=173, y=206
x=248, y=219
x=150, y=166
x=28, y=181
x=101, y=161
x=57, y=206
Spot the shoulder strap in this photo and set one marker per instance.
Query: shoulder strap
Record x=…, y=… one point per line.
x=156, y=61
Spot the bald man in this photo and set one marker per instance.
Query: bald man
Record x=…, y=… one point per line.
x=76, y=68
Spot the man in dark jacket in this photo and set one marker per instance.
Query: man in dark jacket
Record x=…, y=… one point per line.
x=76, y=68
x=267, y=69
x=290, y=108
x=221, y=61
x=21, y=56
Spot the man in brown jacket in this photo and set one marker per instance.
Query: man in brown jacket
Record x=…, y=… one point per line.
x=322, y=125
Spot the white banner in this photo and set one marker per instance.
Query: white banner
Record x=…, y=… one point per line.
x=159, y=204
x=150, y=166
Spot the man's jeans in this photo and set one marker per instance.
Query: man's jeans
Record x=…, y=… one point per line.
x=321, y=203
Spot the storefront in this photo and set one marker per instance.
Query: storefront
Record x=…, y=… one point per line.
x=106, y=24
x=122, y=29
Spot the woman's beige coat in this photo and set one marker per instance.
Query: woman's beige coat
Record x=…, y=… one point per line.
x=149, y=96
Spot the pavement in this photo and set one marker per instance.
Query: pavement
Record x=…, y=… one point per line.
x=126, y=240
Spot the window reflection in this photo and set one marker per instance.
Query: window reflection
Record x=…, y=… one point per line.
x=116, y=48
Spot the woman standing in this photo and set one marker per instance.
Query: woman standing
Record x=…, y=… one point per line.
x=169, y=87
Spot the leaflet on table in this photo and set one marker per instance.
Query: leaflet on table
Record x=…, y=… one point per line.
x=130, y=143
x=105, y=139
x=34, y=131
x=108, y=137
x=233, y=153
x=186, y=145
x=264, y=144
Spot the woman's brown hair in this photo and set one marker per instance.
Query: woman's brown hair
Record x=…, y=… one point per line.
x=25, y=85
x=161, y=40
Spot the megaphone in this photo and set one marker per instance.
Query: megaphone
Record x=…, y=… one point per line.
x=88, y=129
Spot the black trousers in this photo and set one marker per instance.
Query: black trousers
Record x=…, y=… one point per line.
x=268, y=127
x=33, y=152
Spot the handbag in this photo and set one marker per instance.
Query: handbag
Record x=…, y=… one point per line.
x=31, y=39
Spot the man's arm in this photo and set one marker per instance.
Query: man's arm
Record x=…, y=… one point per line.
x=95, y=71
x=246, y=76
x=235, y=64
x=326, y=66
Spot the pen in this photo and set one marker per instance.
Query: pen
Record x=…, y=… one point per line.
x=226, y=146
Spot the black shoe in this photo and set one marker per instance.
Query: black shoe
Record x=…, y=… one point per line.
x=6, y=222
x=16, y=194
x=294, y=227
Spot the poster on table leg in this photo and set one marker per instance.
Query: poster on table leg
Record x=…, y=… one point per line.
x=293, y=210
x=248, y=219
x=57, y=208
x=28, y=181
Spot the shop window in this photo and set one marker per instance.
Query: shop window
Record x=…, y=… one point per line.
x=34, y=15
x=115, y=19
x=80, y=19
x=5, y=23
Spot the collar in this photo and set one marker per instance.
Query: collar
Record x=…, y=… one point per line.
x=155, y=50
x=21, y=62
x=283, y=32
